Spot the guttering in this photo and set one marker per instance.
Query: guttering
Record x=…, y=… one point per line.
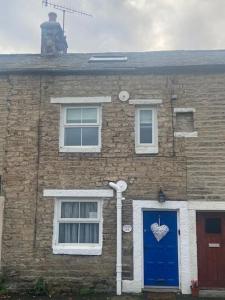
x=119, y=187
x=164, y=70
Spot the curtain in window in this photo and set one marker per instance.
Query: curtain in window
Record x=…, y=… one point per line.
x=78, y=233
x=70, y=210
x=68, y=233
x=89, y=233
x=88, y=210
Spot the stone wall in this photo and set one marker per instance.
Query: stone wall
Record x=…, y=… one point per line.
x=186, y=169
x=5, y=97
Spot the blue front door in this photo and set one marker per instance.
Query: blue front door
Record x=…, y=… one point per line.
x=160, y=249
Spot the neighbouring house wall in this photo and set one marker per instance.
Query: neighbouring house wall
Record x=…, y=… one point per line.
x=20, y=174
x=5, y=97
x=205, y=153
x=2, y=200
x=190, y=168
x=5, y=94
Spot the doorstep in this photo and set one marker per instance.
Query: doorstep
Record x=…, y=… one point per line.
x=152, y=289
x=212, y=293
x=160, y=294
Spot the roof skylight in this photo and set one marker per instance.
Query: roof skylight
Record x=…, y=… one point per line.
x=107, y=58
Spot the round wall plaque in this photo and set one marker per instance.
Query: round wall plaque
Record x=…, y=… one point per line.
x=124, y=96
x=127, y=228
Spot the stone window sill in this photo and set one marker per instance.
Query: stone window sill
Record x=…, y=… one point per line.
x=146, y=149
x=77, y=250
x=81, y=149
x=186, y=134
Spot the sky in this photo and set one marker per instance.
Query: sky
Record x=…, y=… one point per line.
x=117, y=25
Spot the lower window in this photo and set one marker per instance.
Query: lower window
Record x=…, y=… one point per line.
x=77, y=227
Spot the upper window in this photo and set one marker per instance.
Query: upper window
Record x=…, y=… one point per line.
x=146, y=136
x=80, y=129
x=77, y=228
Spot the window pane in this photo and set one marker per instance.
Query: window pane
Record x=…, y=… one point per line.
x=89, y=233
x=88, y=210
x=146, y=134
x=213, y=225
x=70, y=210
x=89, y=115
x=73, y=115
x=68, y=233
x=89, y=136
x=145, y=116
x=72, y=137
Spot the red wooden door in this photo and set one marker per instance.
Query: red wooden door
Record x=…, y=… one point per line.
x=211, y=249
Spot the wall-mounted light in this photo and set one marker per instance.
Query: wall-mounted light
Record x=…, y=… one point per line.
x=174, y=97
x=162, y=196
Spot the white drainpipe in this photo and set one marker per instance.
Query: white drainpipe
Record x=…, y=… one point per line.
x=119, y=187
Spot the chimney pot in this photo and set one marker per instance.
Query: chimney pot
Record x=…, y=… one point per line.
x=52, y=17
x=53, y=40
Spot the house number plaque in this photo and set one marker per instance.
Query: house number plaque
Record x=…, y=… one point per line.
x=127, y=228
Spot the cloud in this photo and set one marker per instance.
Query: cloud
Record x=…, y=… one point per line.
x=117, y=25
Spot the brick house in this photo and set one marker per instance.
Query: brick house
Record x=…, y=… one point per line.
x=113, y=168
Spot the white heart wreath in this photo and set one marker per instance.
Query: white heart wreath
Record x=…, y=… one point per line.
x=158, y=231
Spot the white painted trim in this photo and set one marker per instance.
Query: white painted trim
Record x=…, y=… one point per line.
x=78, y=193
x=131, y=286
x=193, y=245
x=2, y=201
x=81, y=100
x=119, y=187
x=79, y=149
x=137, y=283
x=207, y=205
x=83, y=149
x=187, y=242
x=186, y=134
x=76, y=249
x=195, y=206
x=183, y=110
x=146, y=148
x=145, y=101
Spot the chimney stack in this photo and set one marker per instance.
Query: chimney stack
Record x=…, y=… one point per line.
x=53, y=41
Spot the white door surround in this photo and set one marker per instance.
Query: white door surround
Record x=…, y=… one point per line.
x=193, y=207
x=188, y=268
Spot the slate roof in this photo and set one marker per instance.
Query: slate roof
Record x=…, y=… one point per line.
x=136, y=62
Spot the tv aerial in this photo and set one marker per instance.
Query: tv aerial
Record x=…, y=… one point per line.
x=64, y=9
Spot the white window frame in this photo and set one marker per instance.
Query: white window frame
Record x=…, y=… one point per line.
x=146, y=148
x=63, y=125
x=76, y=248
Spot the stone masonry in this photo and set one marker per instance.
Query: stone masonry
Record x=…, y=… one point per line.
x=185, y=168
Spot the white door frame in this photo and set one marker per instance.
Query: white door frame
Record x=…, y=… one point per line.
x=137, y=284
x=194, y=206
x=188, y=264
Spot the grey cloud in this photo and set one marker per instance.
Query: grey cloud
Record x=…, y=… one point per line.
x=118, y=25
